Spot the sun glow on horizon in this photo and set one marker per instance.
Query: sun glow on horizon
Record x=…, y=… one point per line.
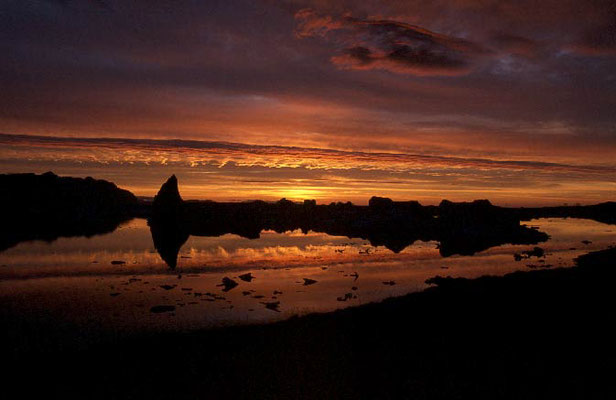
x=241, y=172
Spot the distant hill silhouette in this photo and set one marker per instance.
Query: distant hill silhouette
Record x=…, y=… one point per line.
x=47, y=206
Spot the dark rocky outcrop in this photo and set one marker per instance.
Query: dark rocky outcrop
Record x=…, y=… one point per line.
x=246, y=277
x=227, y=284
x=162, y=309
x=47, y=206
x=168, y=203
x=460, y=228
x=380, y=203
x=167, y=222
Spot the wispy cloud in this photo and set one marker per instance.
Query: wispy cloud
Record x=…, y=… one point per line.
x=193, y=152
x=235, y=171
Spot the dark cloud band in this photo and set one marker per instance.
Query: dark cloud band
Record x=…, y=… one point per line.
x=390, y=45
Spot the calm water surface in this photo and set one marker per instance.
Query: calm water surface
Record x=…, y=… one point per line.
x=73, y=280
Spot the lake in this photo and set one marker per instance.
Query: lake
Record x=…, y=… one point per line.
x=118, y=282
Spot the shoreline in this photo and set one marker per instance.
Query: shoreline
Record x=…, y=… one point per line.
x=531, y=334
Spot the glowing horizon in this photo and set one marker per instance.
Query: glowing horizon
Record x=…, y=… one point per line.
x=239, y=172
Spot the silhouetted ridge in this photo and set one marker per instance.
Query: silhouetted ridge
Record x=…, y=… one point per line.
x=460, y=228
x=47, y=206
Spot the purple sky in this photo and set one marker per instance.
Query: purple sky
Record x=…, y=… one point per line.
x=500, y=81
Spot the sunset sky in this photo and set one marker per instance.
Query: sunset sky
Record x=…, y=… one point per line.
x=514, y=101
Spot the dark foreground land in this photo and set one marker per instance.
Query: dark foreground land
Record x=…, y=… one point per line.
x=538, y=334
x=528, y=335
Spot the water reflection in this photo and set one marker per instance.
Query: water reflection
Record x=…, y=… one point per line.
x=47, y=207
x=168, y=238
x=72, y=279
x=453, y=237
x=460, y=228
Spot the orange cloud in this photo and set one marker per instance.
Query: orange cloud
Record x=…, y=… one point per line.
x=390, y=45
